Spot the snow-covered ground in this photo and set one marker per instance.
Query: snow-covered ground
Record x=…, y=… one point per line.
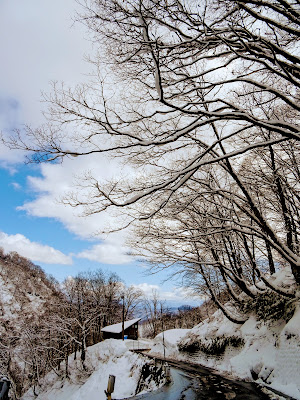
x=270, y=353
x=167, y=341
x=110, y=357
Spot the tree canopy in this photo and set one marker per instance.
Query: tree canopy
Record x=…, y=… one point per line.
x=203, y=100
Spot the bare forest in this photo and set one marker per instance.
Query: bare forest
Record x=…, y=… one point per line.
x=43, y=322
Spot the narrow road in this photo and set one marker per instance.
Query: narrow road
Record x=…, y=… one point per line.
x=193, y=382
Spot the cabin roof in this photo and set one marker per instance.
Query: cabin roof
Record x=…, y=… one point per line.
x=117, y=328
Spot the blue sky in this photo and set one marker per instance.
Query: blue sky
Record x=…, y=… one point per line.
x=40, y=43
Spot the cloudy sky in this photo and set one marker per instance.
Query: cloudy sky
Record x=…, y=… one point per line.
x=39, y=43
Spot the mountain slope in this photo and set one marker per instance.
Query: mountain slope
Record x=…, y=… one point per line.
x=26, y=296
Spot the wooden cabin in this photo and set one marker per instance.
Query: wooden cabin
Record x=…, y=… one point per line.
x=131, y=330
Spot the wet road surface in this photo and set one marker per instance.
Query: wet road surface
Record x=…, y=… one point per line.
x=196, y=382
x=196, y=386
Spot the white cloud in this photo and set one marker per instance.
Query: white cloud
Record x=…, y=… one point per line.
x=16, y=185
x=108, y=252
x=33, y=250
x=56, y=180
x=9, y=159
x=147, y=288
x=39, y=45
x=9, y=120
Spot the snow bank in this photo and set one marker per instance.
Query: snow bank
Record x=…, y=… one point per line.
x=267, y=352
x=110, y=357
x=168, y=341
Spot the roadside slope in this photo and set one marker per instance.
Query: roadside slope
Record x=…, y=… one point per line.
x=267, y=352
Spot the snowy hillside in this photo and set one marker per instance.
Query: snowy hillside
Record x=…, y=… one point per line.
x=265, y=352
x=24, y=289
x=110, y=357
x=25, y=297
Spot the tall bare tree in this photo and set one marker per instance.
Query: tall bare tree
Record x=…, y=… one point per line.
x=201, y=92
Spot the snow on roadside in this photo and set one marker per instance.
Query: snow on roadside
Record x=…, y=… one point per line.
x=167, y=342
x=270, y=354
x=110, y=357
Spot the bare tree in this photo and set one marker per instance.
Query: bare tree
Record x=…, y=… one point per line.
x=133, y=298
x=92, y=301
x=155, y=309
x=201, y=92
